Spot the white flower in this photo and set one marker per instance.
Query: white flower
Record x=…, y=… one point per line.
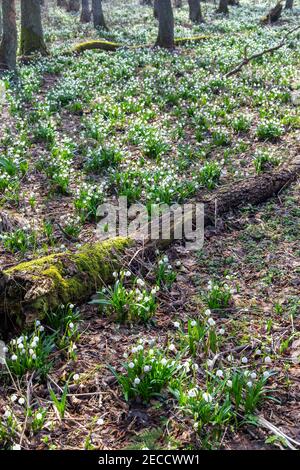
x=115, y=274
x=127, y=273
x=31, y=352
x=266, y=374
x=41, y=328
x=39, y=416
x=221, y=331
x=172, y=347
x=253, y=375
x=100, y=422
x=131, y=365
x=14, y=357
x=21, y=401
x=258, y=352
x=211, y=321
x=71, y=326
x=195, y=367
x=147, y=368
x=207, y=312
x=16, y=447
x=244, y=360
x=219, y=373
x=13, y=398
x=164, y=361
x=268, y=360
x=7, y=414
x=5, y=349
x=229, y=383
x=196, y=426
x=176, y=324
x=230, y=358
x=134, y=350
x=37, y=323
x=137, y=381
x=71, y=306
x=140, y=282
x=193, y=323
x=21, y=346
x=207, y=397
x=249, y=384
x=210, y=363
x=76, y=377
x=139, y=347
x=34, y=356
x=192, y=393
x=125, y=355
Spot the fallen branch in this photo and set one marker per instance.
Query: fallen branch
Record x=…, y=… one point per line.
x=246, y=59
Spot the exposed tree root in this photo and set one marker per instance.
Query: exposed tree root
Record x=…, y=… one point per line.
x=28, y=288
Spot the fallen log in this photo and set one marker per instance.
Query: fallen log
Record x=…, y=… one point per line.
x=113, y=46
x=28, y=289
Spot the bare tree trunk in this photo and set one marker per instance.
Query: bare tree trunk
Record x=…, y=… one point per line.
x=223, y=7
x=177, y=3
x=73, y=5
x=62, y=3
x=85, y=16
x=8, y=47
x=289, y=4
x=155, y=12
x=234, y=3
x=146, y=2
x=99, y=20
x=32, y=37
x=165, y=36
x=195, y=11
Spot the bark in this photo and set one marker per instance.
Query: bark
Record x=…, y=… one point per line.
x=73, y=5
x=234, y=3
x=155, y=11
x=177, y=3
x=98, y=16
x=289, y=4
x=8, y=47
x=146, y=2
x=223, y=7
x=62, y=3
x=195, y=11
x=273, y=15
x=85, y=16
x=165, y=36
x=32, y=37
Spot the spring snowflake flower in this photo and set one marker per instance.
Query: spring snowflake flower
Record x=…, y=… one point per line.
x=253, y=375
x=210, y=363
x=147, y=368
x=21, y=401
x=229, y=383
x=192, y=393
x=266, y=374
x=16, y=447
x=115, y=274
x=193, y=323
x=195, y=367
x=71, y=326
x=137, y=381
x=134, y=350
x=131, y=365
x=172, y=347
x=207, y=397
x=219, y=373
x=164, y=361
x=207, y=312
x=127, y=273
x=100, y=422
x=76, y=377
x=140, y=282
x=13, y=398
x=37, y=323
x=14, y=357
x=221, y=331
x=211, y=322
x=139, y=347
x=268, y=360
x=249, y=384
x=244, y=360
x=176, y=324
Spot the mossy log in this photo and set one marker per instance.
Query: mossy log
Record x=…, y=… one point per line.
x=29, y=288
x=113, y=46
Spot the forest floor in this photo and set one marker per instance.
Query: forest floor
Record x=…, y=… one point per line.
x=157, y=127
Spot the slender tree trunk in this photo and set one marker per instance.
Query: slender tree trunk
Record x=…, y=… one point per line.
x=289, y=4
x=32, y=37
x=234, y=3
x=62, y=3
x=146, y=2
x=223, y=7
x=155, y=11
x=8, y=47
x=98, y=15
x=195, y=11
x=73, y=5
x=177, y=3
x=85, y=16
x=165, y=36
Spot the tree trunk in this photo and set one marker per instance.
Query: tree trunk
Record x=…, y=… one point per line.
x=165, y=36
x=85, y=16
x=195, y=11
x=98, y=15
x=223, y=7
x=234, y=3
x=32, y=37
x=146, y=2
x=8, y=47
x=155, y=11
x=177, y=3
x=62, y=3
x=289, y=4
x=273, y=15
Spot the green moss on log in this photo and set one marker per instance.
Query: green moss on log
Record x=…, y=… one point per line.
x=34, y=286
